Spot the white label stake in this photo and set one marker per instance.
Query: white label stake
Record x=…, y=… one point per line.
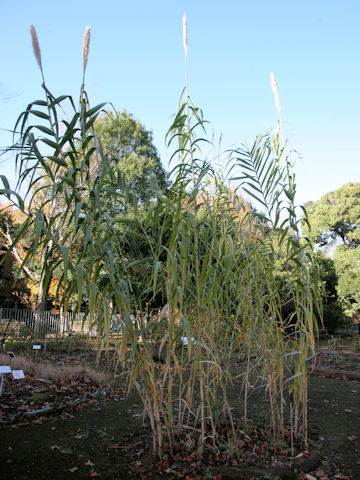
x=36, y=348
x=18, y=374
x=3, y=369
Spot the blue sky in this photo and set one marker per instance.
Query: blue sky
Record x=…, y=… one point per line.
x=137, y=62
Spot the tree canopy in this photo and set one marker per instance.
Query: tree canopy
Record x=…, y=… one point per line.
x=347, y=264
x=336, y=216
x=335, y=221
x=127, y=142
x=14, y=289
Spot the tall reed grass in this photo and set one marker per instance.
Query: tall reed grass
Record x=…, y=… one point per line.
x=211, y=262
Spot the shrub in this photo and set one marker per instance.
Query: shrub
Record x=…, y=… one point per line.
x=334, y=317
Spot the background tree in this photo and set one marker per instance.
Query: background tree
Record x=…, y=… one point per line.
x=127, y=142
x=15, y=290
x=127, y=145
x=336, y=217
x=347, y=264
x=335, y=221
x=285, y=274
x=333, y=312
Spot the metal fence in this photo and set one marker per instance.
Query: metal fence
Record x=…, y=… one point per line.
x=45, y=322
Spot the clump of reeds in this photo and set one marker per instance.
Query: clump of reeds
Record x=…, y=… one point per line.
x=209, y=260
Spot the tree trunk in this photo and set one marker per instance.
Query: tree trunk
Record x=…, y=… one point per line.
x=41, y=302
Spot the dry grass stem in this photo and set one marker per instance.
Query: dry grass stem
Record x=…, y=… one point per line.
x=54, y=372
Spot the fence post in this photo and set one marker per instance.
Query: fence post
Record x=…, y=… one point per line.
x=36, y=323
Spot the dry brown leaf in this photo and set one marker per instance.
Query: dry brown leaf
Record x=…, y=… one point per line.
x=240, y=443
x=116, y=445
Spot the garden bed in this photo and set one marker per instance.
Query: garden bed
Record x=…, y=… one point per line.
x=52, y=386
x=108, y=439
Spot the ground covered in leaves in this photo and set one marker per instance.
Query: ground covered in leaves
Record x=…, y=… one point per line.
x=52, y=385
x=91, y=430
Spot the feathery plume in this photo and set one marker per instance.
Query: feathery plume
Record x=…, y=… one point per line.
x=275, y=90
x=35, y=44
x=185, y=36
x=85, y=48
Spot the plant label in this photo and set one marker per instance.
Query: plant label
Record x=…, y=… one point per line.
x=5, y=369
x=36, y=347
x=18, y=374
